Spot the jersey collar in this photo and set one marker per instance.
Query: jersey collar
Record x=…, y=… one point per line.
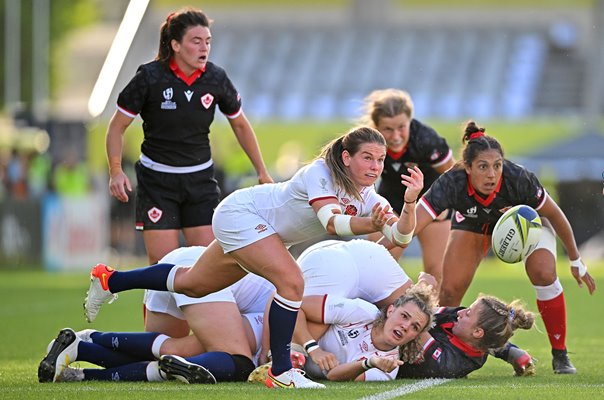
x=396, y=155
x=455, y=341
x=485, y=202
x=186, y=79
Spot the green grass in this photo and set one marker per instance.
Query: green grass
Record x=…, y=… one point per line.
x=35, y=305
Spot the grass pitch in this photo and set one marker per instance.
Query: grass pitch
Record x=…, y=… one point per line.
x=35, y=305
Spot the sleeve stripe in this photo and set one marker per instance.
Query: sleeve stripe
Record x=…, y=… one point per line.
x=428, y=208
x=235, y=114
x=127, y=112
x=545, y=196
x=444, y=160
x=311, y=201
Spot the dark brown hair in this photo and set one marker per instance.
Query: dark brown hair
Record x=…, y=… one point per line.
x=476, y=141
x=174, y=28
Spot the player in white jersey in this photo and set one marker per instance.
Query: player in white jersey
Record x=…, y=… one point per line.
x=369, y=344
x=254, y=226
x=226, y=326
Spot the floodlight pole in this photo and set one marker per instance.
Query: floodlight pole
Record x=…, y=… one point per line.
x=12, y=55
x=40, y=58
x=594, y=82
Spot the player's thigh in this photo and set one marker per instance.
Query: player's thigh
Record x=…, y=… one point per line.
x=159, y=242
x=218, y=327
x=198, y=235
x=464, y=252
x=270, y=259
x=328, y=269
x=166, y=324
x=213, y=271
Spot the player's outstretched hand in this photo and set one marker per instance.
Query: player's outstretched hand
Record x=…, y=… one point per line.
x=379, y=216
x=414, y=183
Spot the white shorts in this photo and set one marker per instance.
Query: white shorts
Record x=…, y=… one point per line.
x=547, y=241
x=250, y=293
x=256, y=322
x=236, y=224
x=353, y=269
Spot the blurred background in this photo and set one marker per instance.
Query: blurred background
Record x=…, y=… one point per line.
x=532, y=72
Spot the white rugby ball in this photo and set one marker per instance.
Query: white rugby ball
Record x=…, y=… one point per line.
x=516, y=234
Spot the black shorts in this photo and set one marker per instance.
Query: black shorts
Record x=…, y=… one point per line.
x=471, y=225
x=175, y=201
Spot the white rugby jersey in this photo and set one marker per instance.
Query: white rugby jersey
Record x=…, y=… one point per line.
x=349, y=336
x=287, y=205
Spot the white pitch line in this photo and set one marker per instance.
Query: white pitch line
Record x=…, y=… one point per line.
x=407, y=389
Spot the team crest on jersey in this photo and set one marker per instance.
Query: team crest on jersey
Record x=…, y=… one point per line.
x=154, y=214
x=539, y=193
x=504, y=209
x=459, y=217
x=351, y=210
x=206, y=100
x=437, y=353
x=189, y=94
x=260, y=228
x=168, y=104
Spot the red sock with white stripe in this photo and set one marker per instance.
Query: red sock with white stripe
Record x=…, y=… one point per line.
x=551, y=305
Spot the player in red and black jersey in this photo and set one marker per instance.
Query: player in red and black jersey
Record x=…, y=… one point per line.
x=480, y=189
x=177, y=95
x=410, y=143
x=461, y=338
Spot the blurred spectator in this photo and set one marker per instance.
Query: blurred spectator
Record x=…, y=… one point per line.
x=16, y=175
x=40, y=167
x=71, y=177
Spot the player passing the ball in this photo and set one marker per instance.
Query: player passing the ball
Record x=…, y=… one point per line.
x=481, y=187
x=253, y=226
x=177, y=95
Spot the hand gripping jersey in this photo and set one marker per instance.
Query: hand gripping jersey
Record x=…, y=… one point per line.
x=349, y=335
x=177, y=115
x=445, y=356
x=426, y=149
x=475, y=213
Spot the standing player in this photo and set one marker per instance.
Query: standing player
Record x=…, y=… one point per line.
x=410, y=143
x=176, y=96
x=481, y=188
x=253, y=226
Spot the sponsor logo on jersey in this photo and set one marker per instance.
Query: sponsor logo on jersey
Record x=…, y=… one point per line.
x=189, y=94
x=437, y=353
x=487, y=210
x=397, y=166
x=345, y=200
x=206, y=100
x=364, y=346
x=260, y=228
x=471, y=212
x=351, y=210
x=154, y=214
x=343, y=338
x=323, y=183
x=354, y=333
x=168, y=104
x=459, y=217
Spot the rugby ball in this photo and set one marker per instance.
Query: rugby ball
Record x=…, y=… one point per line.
x=516, y=234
